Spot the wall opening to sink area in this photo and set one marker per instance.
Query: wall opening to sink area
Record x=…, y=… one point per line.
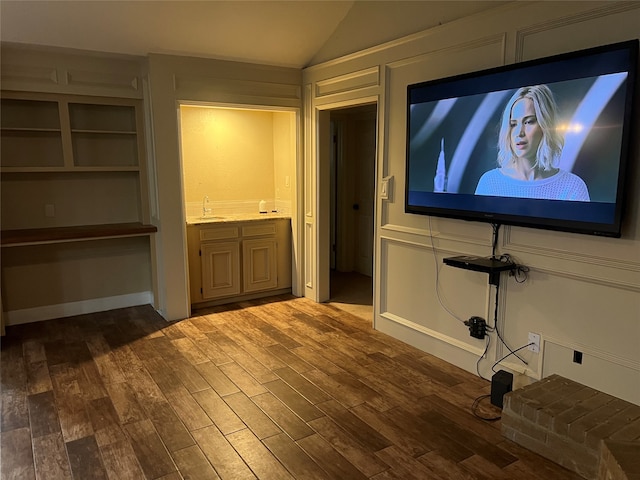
x=236, y=158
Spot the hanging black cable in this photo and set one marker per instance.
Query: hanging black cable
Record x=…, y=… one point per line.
x=493, y=368
x=495, y=324
x=496, y=229
x=476, y=404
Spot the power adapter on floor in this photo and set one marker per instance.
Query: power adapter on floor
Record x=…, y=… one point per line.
x=501, y=384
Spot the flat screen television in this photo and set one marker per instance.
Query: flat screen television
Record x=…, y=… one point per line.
x=542, y=143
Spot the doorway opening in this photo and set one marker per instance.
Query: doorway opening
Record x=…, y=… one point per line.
x=237, y=156
x=237, y=162
x=352, y=208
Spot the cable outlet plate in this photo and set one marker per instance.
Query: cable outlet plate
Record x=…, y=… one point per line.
x=534, y=342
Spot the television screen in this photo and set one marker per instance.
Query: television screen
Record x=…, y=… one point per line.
x=543, y=143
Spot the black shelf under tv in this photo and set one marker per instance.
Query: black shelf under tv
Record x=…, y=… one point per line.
x=492, y=266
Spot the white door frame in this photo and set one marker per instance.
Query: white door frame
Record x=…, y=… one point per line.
x=317, y=199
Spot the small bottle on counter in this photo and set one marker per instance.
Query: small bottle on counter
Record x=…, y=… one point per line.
x=263, y=206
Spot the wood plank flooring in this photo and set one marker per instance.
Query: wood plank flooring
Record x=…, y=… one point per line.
x=280, y=388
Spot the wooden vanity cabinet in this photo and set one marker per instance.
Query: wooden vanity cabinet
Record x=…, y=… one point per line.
x=220, y=262
x=239, y=260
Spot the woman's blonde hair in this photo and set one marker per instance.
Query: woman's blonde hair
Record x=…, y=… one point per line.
x=546, y=109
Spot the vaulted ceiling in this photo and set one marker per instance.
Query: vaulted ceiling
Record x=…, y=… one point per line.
x=288, y=33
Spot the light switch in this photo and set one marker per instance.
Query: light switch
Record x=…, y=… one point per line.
x=385, y=188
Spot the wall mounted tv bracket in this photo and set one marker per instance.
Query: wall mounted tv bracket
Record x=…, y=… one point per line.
x=489, y=265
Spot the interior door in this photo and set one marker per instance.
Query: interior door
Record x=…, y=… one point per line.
x=364, y=127
x=353, y=182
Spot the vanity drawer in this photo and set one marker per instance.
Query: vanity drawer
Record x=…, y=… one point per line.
x=218, y=233
x=258, y=229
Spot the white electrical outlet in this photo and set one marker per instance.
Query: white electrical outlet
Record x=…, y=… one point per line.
x=49, y=210
x=534, y=342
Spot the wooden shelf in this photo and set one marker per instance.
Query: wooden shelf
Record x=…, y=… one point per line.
x=105, y=132
x=67, y=170
x=30, y=130
x=40, y=236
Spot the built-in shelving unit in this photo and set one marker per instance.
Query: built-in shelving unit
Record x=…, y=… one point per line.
x=75, y=209
x=70, y=161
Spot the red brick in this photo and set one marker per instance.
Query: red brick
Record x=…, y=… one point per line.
x=529, y=409
x=620, y=460
x=612, y=425
x=573, y=456
x=506, y=401
x=528, y=428
x=562, y=422
x=578, y=429
x=608, y=468
x=629, y=433
x=524, y=440
x=565, y=422
x=533, y=404
x=558, y=450
x=516, y=398
x=547, y=415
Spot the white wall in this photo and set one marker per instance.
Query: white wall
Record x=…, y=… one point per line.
x=583, y=292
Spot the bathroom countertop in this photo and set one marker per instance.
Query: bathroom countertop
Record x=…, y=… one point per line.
x=237, y=217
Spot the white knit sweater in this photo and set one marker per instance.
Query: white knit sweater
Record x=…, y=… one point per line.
x=561, y=186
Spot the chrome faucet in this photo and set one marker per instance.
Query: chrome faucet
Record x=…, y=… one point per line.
x=206, y=209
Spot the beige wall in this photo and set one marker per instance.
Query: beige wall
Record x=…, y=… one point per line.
x=237, y=157
x=61, y=276
x=227, y=154
x=105, y=199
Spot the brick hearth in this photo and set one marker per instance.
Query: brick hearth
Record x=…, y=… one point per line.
x=587, y=431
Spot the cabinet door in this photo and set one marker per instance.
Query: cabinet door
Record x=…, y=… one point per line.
x=259, y=260
x=220, y=269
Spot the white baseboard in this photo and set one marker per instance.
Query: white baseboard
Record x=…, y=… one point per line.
x=451, y=350
x=48, y=312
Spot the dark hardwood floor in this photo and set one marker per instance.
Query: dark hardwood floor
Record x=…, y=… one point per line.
x=273, y=389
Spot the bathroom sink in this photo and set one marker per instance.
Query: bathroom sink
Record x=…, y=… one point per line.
x=201, y=219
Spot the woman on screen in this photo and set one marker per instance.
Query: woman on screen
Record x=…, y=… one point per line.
x=529, y=148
